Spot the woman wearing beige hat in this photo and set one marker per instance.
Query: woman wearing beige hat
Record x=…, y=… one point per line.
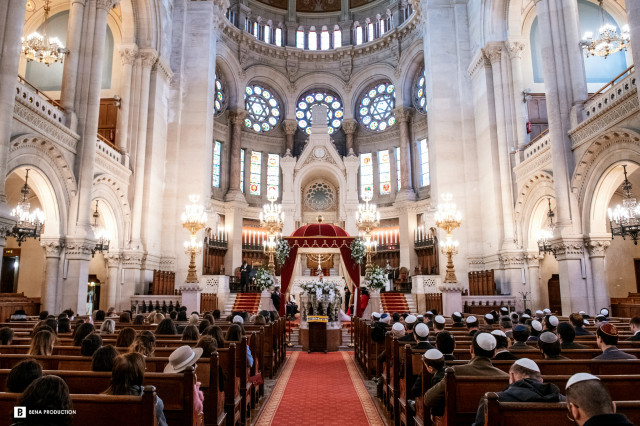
x=179, y=360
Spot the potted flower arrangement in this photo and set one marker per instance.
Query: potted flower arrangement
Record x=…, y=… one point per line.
x=376, y=279
x=358, y=250
x=282, y=251
x=264, y=280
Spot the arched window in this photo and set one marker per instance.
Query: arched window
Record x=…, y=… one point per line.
x=366, y=175
x=382, y=26
x=337, y=37
x=278, y=37
x=370, y=34
x=420, y=95
x=267, y=33
x=313, y=39
x=220, y=101
x=300, y=38
x=324, y=39
x=262, y=107
x=358, y=35
x=335, y=110
x=375, y=110
x=255, y=29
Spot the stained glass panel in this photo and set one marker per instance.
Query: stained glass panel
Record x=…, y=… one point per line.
x=255, y=173
x=384, y=168
x=262, y=107
x=376, y=107
x=398, y=166
x=242, y=170
x=424, y=160
x=366, y=174
x=335, y=110
x=217, y=149
x=420, y=97
x=273, y=173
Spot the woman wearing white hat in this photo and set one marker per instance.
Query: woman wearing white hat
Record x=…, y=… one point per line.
x=179, y=361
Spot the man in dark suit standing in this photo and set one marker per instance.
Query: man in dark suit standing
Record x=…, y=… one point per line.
x=634, y=325
x=275, y=298
x=245, y=274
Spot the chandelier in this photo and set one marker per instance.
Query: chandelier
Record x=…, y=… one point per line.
x=272, y=219
x=29, y=224
x=368, y=218
x=624, y=220
x=42, y=48
x=608, y=41
x=193, y=219
x=448, y=218
x=546, y=234
x=101, y=234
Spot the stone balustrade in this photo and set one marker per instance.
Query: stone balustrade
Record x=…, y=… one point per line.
x=26, y=93
x=537, y=147
x=108, y=150
x=150, y=299
x=612, y=92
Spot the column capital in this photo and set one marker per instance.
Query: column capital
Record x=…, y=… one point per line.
x=112, y=259
x=349, y=125
x=128, y=53
x=149, y=57
x=403, y=114
x=106, y=4
x=132, y=259
x=493, y=52
x=515, y=49
x=79, y=248
x=289, y=126
x=533, y=259
x=80, y=2
x=566, y=249
x=52, y=246
x=237, y=116
x=597, y=246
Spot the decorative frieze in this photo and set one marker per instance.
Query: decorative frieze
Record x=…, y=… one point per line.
x=52, y=246
x=128, y=53
x=568, y=248
x=597, y=247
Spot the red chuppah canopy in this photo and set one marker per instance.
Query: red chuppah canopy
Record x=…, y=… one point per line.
x=319, y=236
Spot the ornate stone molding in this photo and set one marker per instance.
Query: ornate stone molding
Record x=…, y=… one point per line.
x=148, y=57
x=79, y=248
x=533, y=259
x=164, y=69
x=479, y=61
x=52, y=246
x=568, y=248
x=493, y=51
x=289, y=126
x=403, y=114
x=236, y=117
x=349, y=125
x=597, y=246
x=112, y=259
x=106, y=4
x=132, y=259
x=167, y=263
x=128, y=53
x=515, y=49
x=534, y=164
x=512, y=259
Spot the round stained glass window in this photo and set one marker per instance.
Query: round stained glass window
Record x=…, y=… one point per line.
x=220, y=101
x=376, y=107
x=420, y=94
x=335, y=110
x=320, y=196
x=263, y=109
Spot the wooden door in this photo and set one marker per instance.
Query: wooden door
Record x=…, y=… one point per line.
x=636, y=266
x=555, y=301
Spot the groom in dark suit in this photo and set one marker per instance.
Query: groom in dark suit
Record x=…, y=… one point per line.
x=245, y=276
x=275, y=298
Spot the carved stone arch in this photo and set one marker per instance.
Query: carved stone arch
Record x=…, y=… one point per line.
x=229, y=68
x=110, y=191
x=535, y=191
x=411, y=65
x=615, y=141
x=326, y=171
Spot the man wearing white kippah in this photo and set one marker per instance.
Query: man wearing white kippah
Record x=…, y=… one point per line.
x=525, y=385
x=482, y=350
x=590, y=404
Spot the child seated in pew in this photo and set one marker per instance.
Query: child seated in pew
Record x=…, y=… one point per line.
x=215, y=332
x=90, y=344
x=22, y=374
x=82, y=331
x=209, y=346
x=179, y=360
x=235, y=333
x=46, y=393
x=42, y=343
x=127, y=377
x=103, y=358
x=525, y=385
x=434, y=360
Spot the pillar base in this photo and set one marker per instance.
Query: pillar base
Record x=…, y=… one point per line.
x=235, y=195
x=451, y=298
x=191, y=296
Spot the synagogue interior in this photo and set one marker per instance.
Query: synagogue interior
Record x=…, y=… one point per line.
x=423, y=212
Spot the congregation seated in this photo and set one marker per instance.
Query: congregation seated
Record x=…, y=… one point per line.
x=549, y=345
x=42, y=343
x=108, y=327
x=521, y=334
x=446, y=343
x=577, y=320
x=82, y=331
x=125, y=337
x=567, y=334
x=44, y=394
x=144, y=343
x=607, y=339
x=235, y=333
x=590, y=404
x=103, y=358
x=22, y=374
x=502, y=346
x=90, y=344
x=190, y=332
x=166, y=326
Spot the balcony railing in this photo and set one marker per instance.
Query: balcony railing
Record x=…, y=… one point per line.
x=108, y=149
x=539, y=144
x=31, y=94
x=616, y=88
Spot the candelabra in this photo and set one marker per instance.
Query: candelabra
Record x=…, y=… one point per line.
x=546, y=234
x=29, y=224
x=625, y=219
x=367, y=218
x=101, y=234
x=448, y=218
x=272, y=219
x=193, y=220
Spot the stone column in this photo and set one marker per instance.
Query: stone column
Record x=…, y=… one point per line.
x=233, y=222
x=292, y=23
x=533, y=269
x=407, y=223
x=108, y=299
x=597, y=248
x=349, y=125
x=10, y=35
x=515, y=53
x=403, y=116
x=72, y=61
x=633, y=18
x=236, y=119
x=288, y=164
x=347, y=33
x=52, y=247
x=128, y=54
x=75, y=285
x=148, y=59
x=133, y=282
x=574, y=292
x=290, y=127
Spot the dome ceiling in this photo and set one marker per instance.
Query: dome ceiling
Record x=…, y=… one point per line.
x=315, y=5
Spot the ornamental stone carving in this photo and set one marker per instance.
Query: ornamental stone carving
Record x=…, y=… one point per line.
x=567, y=248
x=52, y=246
x=164, y=69
x=349, y=126
x=237, y=117
x=346, y=67
x=533, y=260
x=148, y=57
x=598, y=247
x=289, y=126
x=79, y=248
x=128, y=53
x=132, y=259
x=493, y=52
x=112, y=259
x=515, y=49
x=512, y=259
x=403, y=115
x=106, y=4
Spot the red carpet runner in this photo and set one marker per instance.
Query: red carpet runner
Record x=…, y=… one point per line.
x=320, y=389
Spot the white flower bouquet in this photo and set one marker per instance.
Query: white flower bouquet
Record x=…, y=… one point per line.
x=358, y=250
x=376, y=278
x=264, y=279
x=282, y=251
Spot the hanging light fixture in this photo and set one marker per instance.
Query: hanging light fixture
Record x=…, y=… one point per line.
x=368, y=218
x=624, y=220
x=608, y=41
x=546, y=234
x=272, y=219
x=29, y=224
x=101, y=234
x=42, y=48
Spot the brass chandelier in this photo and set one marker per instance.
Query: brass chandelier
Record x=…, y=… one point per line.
x=608, y=41
x=42, y=48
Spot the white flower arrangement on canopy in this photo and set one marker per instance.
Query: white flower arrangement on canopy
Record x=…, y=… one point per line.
x=376, y=278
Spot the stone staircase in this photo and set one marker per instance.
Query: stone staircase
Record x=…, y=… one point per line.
x=228, y=304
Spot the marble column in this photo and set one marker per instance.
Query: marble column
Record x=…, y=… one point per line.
x=128, y=55
x=236, y=119
x=75, y=285
x=520, y=107
x=148, y=58
x=108, y=298
x=290, y=127
x=52, y=247
x=349, y=126
x=403, y=116
x=292, y=23
x=10, y=35
x=633, y=18
x=533, y=272
x=72, y=62
x=597, y=248
x=574, y=292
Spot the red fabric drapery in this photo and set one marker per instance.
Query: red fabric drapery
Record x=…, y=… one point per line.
x=295, y=243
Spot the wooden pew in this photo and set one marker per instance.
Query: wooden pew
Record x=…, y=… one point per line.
x=558, y=367
x=101, y=410
x=232, y=398
x=536, y=413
